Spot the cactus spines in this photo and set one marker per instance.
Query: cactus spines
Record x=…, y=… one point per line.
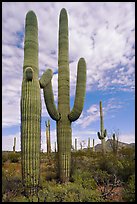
x=31, y=108
x=48, y=137
x=103, y=133
x=62, y=114
x=14, y=146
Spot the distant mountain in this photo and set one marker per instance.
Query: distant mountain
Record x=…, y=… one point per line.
x=98, y=147
x=109, y=143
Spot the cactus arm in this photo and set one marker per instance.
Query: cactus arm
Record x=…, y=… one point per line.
x=101, y=119
x=49, y=101
x=80, y=91
x=45, y=78
x=45, y=84
x=28, y=73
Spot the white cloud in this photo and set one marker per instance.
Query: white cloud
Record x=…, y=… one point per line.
x=82, y=136
x=102, y=32
x=93, y=113
x=8, y=142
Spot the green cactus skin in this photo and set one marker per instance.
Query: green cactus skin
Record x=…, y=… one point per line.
x=14, y=146
x=102, y=134
x=31, y=108
x=48, y=137
x=63, y=116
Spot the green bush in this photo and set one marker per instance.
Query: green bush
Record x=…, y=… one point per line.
x=4, y=157
x=14, y=157
x=84, y=179
x=129, y=190
x=71, y=192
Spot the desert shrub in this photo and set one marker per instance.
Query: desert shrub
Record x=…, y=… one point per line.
x=4, y=157
x=14, y=157
x=129, y=190
x=84, y=179
x=3, y=181
x=70, y=192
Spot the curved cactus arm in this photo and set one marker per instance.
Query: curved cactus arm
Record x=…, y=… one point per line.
x=80, y=91
x=99, y=136
x=45, y=84
x=49, y=101
x=105, y=133
x=46, y=78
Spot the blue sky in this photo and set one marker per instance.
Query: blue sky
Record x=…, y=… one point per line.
x=101, y=32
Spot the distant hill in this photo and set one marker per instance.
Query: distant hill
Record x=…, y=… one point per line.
x=109, y=147
x=98, y=147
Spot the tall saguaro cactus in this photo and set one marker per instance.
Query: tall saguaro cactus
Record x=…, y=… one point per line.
x=63, y=116
x=93, y=145
x=14, y=146
x=89, y=143
x=48, y=137
x=102, y=134
x=31, y=108
x=114, y=144
x=76, y=144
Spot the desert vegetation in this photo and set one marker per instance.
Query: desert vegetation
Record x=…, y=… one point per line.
x=94, y=178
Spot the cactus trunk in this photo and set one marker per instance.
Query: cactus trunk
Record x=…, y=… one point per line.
x=75, y=144
x=30, y=109
x=64, y=150
x=48, y=137
x=14, y=146
x=114, y=144
x=63, y=116
x=102, y=134
x=88, y=143
x=93, y=145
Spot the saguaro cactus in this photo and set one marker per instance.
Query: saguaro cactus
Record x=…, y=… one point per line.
x=63, y=116
x=48, y=137
x=93, y=145
x=76, y=144
x=114, y=144
x=89, y=143
x=31, y=108
x=55, y=147
x=14, y=146
x=102, y=134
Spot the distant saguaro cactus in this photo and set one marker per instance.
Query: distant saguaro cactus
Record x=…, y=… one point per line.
x=14, y=146
x=55, y=147
x=102, y=134
x=48, y=137
x=63, y=116
x=89, y=143
x=114, y=144
x=76, y=144
x=93, y=145
x=31, y=108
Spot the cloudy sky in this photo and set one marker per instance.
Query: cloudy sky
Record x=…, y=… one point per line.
x=101, y=32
